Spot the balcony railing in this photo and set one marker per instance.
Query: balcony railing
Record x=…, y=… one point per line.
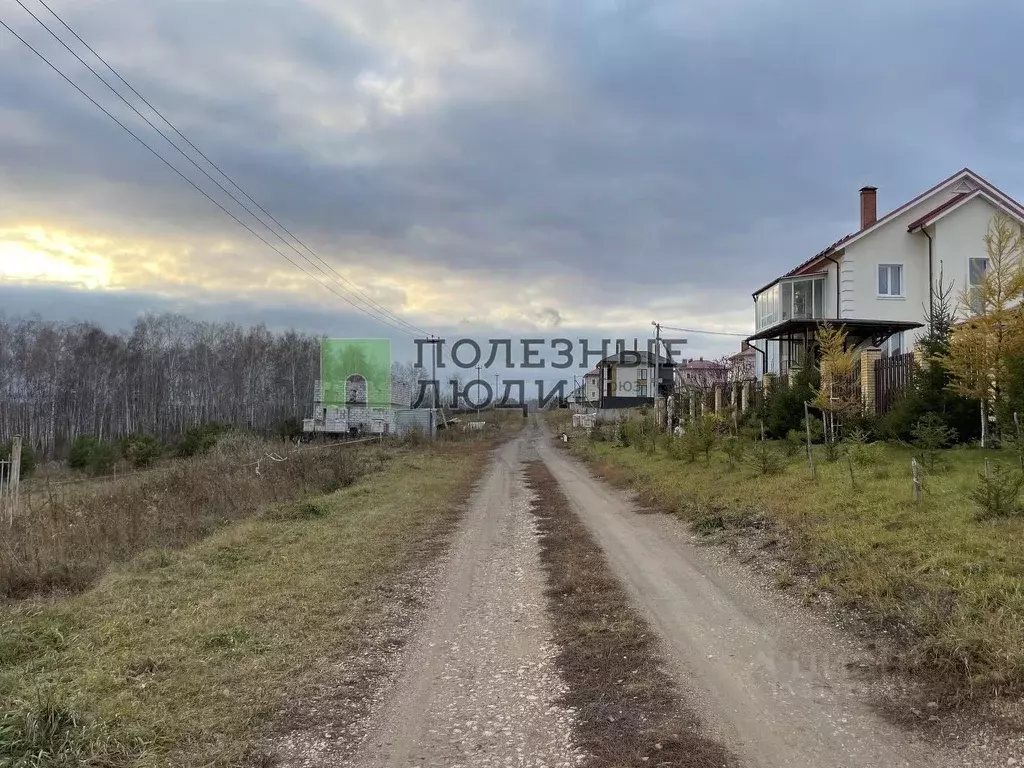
x=791, y=298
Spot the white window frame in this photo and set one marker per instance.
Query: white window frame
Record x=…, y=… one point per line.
x=888, y=280
x=641, y=389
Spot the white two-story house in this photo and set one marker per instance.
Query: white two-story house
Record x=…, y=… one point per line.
x=876, y=282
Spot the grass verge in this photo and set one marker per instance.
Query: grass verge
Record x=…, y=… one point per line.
x=65, y=539
x=188, y=657
x=944, y=584
x=628, y=710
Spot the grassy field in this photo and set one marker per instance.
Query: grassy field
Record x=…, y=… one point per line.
x=66, y=536
x=946, y=584
x=185, y=657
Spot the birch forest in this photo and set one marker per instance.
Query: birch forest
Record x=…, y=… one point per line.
x=62, y=379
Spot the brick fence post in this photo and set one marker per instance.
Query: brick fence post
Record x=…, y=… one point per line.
x=745, y=388
x=718, y=398
x=868, y=358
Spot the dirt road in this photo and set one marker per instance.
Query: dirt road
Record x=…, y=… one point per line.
x=771, y=681
x=479, y=687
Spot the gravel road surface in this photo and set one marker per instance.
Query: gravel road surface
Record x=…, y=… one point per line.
x=772, y=683
x=478, y=686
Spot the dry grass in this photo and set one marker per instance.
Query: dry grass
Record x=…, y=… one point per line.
x=65, y=538
x=945, y=585
x=190, y=657
x=628, y=710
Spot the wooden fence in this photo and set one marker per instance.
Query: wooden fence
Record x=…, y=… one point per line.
x=10, y=472
x=893, y=375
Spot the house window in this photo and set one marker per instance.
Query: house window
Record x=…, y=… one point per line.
x=641, y=390
x=890, y=280
x=976, y=269
x=893, y=345
x=643, y=374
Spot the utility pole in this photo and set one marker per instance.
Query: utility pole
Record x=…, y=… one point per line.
x=478, y=393
x=495, y=401
x=657, y=381
x=433, y=340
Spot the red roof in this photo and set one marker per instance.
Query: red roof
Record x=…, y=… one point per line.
x=936, y=211
x=997, y=196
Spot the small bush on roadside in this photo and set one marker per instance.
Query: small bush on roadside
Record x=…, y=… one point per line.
x=817, y=428
x=93, y=455
x=832, y=452
x=860, y=450
x=81, y=450
x=198, y=440
x=141, y=450
x=290, y=428
x=998, y=492
x=765, y=460
x=28, y=457
x=931, y=435
x=701, y=436
x=734, y=448
x=793, y=443
x=599, y=433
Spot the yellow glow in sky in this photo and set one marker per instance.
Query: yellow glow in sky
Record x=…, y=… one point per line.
x=37, y=255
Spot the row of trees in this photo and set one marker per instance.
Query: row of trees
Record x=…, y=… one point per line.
x=59, y=380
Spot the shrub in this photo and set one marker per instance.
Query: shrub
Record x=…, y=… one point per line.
x=931, y=435
x=734, y=448
x=832, y=452
x=860, y=450
x=701, y=436
x=141, y=450
x=81, y=451
x=998, y=491
x=93, y=455
x=765, y=459
x=290, y=428
x=793, y=443
x=198, y=440
x=102, y=458
x=28, y=457
x=817, y=428
x=783, y=408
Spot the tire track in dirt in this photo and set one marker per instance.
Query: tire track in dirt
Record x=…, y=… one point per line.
x=773, y=684
x=479, y=685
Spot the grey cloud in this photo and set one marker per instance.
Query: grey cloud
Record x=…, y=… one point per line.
x=709, y=145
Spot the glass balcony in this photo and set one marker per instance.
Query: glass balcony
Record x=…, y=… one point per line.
x=791, y=298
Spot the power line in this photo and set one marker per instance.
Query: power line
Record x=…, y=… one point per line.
x=189, y=181
x=221, y=171
x=706, y=333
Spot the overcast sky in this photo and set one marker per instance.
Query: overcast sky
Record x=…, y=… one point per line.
x=487, y=167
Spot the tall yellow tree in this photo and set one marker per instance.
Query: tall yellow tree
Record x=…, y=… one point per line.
x=837, y=396
x=992, y=329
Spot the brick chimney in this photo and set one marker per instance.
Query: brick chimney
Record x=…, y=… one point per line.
x=868, y=206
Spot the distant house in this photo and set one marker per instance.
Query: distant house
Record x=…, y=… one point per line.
x=359, y=417
x=592, y=386
x=743, y=365
x=877, y=281
x=626, y=379
x=700, y=375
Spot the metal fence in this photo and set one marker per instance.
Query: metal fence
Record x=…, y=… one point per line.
x=893, y=375
x=10, y=472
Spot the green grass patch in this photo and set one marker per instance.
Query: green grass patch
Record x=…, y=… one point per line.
x=185, y=657
x=946, y=583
